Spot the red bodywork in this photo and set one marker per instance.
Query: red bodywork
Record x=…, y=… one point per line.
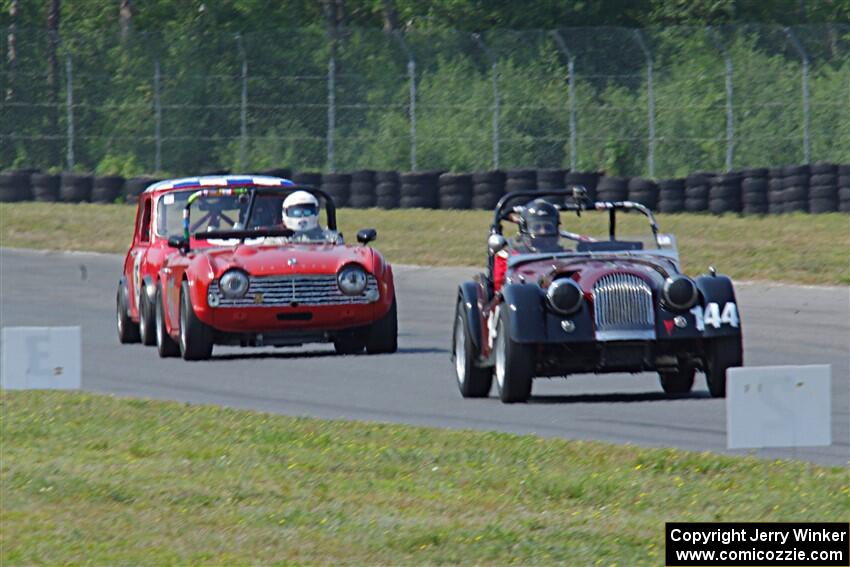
x=151, y=262
x=201, y=267
x=147, y=252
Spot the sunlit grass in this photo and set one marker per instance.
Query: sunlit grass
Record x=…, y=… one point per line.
x=793, y=248
x=91, y=478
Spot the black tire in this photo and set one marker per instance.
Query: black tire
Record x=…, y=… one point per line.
x=515, y=364
x=790, y=170
x=363, y=176
x=720, y=206
x=822, y=192
x=196, y=337
x=45, y=187
x=383, y=333
x=671, y=205
x=844, y=193
x=165, y=345
x=795, y=181
x=754, y=198
x=696, y=205
x=823, y=168
x=386, y=177
x=754, y=185
x=496, y=178
x=677, y=382
x=352, y=341
x=721, y=354
x=551, y=178
x=455, y=202
x=696, y=192
x=14, y=187
x=728, y=192
x=819, y=206
x=128, y=331
x=387, y=190
x=485, y=202
x=826, y=179
x=844, y=206
x=76, y=188
x=135, y=186
x=147, y=319
x=755, y=209
x=387, y=202
x=698, y=179
x=755, y=172
x=472, y=381
x=107, y=189
x=361, y=201
x=283, y=172
x=795, y=194
x=311, y=178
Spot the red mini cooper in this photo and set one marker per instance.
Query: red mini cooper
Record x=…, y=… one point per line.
x=211, y=263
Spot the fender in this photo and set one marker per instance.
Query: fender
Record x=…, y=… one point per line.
x=719, y=308
x=533, y=322
x=467, y=294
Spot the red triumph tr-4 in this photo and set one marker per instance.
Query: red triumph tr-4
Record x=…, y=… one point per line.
x=244, y=261
x=556, y=302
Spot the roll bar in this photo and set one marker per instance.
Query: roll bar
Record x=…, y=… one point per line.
x=253, y=191
x=580, y=203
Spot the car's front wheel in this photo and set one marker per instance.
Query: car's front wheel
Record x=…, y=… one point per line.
x=677, y=382
x=515, y=364
x=128, y=331
x=165, y=345
x=383, y=333
x=350, y=342
x=196, y=337
x=721, y=354
x=472, y=381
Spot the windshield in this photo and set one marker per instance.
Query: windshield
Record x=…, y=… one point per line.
x=589, y=233
x=221, y=213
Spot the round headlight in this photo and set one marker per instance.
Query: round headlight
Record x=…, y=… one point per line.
x=680, y=292
x=233, y=284
x=564, y=296
x=351, y=280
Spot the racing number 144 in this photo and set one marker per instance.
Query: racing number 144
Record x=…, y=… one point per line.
x=712, y=315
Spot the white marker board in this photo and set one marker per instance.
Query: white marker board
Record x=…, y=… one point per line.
x=778, y=406
x=41, y=358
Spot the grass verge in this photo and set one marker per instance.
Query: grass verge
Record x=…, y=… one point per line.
x=92, y=478
x=794, y=248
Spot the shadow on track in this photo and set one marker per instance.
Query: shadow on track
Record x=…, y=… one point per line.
x=617, y=398
x=316, y=354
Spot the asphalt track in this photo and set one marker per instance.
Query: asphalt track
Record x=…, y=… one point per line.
x=783, y=324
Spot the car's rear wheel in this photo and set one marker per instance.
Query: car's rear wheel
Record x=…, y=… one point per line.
x=473, y=381
x=515, y=363
x=147, y=319
x=721, y=353
x=165, y=345
x=677, y=382
x=128, y=331
x=196, y=337
x=383, y=333
x=350, y=342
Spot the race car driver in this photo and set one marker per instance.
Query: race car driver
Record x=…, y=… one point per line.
x=300, y=213
x=539, y=224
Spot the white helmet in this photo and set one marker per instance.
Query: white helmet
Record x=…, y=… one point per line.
x=301, y=211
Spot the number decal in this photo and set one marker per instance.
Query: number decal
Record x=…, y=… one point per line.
x=730, y=315
x=712, y=315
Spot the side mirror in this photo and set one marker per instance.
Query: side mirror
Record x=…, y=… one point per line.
x=367, y=235
x=178, y=242
x=496, y=242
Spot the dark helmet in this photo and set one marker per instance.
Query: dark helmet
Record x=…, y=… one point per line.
x=539, y=218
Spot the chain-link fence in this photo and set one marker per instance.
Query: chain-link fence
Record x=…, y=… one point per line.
x=655, y=102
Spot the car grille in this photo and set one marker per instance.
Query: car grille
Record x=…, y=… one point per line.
x=276, y=291
x=623, y=308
